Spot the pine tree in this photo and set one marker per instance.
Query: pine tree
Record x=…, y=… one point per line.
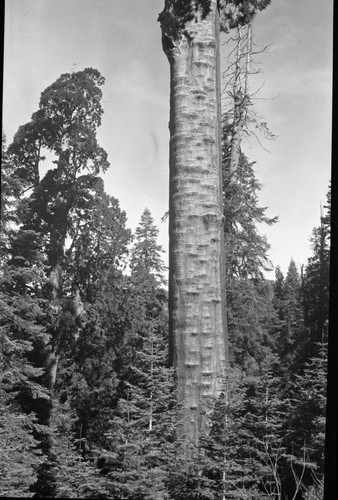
x=250, y=312
x=88, y=377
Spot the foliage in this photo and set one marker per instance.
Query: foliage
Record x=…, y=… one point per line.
x=239, y=12
x=289, y=328
x=316, y=279
x=250, y=321
x=246, y=249
x=306, y=429
x=88, y=372
x=141, y=427
x=22, y=276
x=146, y=253
x=20, y=381
x=94, y=316
x=10, y=190
x=64, y=131
x=108, y=428
x=75, y=476
x=19, y=453
x=233, y=13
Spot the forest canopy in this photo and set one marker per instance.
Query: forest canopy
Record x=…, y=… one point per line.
x=90, y=391
x=87, y=394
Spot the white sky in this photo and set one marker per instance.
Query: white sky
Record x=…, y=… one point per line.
x=122, y=39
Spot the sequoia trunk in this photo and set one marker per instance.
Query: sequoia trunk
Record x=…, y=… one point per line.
x=198, y=337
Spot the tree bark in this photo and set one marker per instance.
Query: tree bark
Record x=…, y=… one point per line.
x=198, y=335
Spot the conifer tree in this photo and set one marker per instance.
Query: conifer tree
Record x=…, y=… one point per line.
x=304, y=425
x=251, y=318
x=291, y=333
x=93, y=326
x=301, y=305
x=75, y=475
x=246, y=251
x=22, y=334
x=135, y=455
x=22, y=388
x=146, y=253
x=316, y=282
x=65, y=126
x=250, y=312
x=10, y=191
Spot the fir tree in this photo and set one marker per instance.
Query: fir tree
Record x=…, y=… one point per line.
x=291, y=334
x=146, y=253
x=75, y=476
x=305, y=426
x=22, y=334
x=316, y=282
x=10, y=192
x=246, y=249
x=250, y=320
x=140, y=430
x=250, y=312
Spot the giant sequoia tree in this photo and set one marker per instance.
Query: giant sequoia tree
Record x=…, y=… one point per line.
x=63, y=132
x=190, y=36
x=64, y=127
x=198, y=336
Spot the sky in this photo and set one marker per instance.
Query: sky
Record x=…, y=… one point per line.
x=122, y=40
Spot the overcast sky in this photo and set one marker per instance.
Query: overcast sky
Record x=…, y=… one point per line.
x=122, y=39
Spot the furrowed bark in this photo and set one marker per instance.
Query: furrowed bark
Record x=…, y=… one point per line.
x=198, y=336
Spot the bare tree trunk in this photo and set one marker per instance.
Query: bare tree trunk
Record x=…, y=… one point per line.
x=241, y=99
x=198, y=335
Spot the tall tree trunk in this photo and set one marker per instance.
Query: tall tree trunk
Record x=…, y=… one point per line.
x=56, y=257
x=198, y=335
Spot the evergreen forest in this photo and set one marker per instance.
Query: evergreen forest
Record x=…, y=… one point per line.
x=88, y=403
